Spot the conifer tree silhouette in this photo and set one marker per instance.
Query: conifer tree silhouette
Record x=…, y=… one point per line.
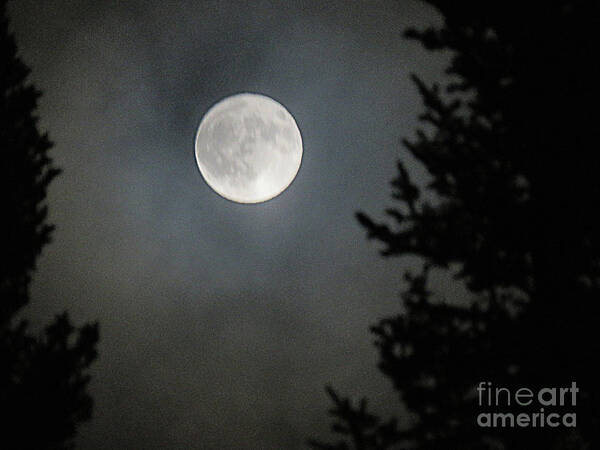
x=43, y=379
x=511, y=144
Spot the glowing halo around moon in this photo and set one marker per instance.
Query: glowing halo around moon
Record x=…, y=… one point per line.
x=248, y=148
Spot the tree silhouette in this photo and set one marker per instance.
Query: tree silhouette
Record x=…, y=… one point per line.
x=43, y=379
x=510, y=143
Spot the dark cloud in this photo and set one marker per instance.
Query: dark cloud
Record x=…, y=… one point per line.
x=221, y=323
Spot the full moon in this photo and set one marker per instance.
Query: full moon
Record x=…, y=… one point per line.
x=248, y=148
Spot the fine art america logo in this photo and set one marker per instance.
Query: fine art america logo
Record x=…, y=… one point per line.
x=524, y=407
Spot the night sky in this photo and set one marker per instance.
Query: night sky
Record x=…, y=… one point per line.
x=220, y=323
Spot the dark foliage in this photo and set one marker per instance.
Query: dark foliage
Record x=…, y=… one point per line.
x=43, y=378
x=511, y=144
